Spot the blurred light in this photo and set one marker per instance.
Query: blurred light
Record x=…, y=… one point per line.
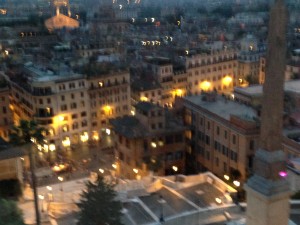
x=175, y=168
x=218, y=200
x=226, y=177
x=153, y=144
x=283, y=173
x=101, y=170
x=49, y=188
x=135, y=170
x=236, y=183
x=114, y=166
x=107, y=131
x=60, y=179
x=227, y=80
x=205, y=85
x=144, y=99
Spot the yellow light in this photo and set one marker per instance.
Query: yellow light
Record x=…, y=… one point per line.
x=101, y=170
x=226, y=177
x=153, y=144
x=205, y=85
x=107, y=131
x=218, y=200
x=114, y=166
x=100, y=84
x=135, y=170
x=178, y=92
x=144, y=99
x=41, y=197
x=61, y=118
x=84, y=137
x=95, y=136
x=49, y=188
x=132, y=112
x=175, y=168
x=66, y=142
x=60, y=179
x=227, y=80
x=6, y=52
x=107, y=108
x=52, y=147
x=236, y=183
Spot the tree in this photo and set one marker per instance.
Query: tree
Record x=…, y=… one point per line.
x=98, y=205
x=10, y=214
x=26, y=130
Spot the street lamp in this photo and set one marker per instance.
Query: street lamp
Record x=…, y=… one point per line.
x=41, y=197
x=161, y=202
x=50, y=194
x=61, y=179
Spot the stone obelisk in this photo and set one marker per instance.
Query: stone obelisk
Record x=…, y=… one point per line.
x=267, y=190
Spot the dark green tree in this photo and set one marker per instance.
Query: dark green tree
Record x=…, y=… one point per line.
x=98, y=205
x=26, y=130
x=10, y=214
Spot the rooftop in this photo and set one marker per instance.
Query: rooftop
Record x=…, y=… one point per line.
x=223, y=107
x=257, y=90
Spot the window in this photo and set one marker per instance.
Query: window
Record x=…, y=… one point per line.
x=208, y=125
x=83, y=114
x=207, y=139
x=217, y=161
x=4, y=109
x=251, y=144
x=74, y=116
x=225, y=134
x=225, y=167
x=73, y=105
x=48, y=100
x=153, y=126
x=41, y=101
x=82, y=94
x=62, y=97
x=63, y=107
x=84, y=123
x=75, y=126
x=72, y=96
x=218, y=130
x=233, y=139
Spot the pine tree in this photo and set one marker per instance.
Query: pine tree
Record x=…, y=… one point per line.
x=10, y=213
x=99, y=206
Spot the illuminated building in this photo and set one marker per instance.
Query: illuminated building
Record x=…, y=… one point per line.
x=6, y=119
x=223, y=134
x=249, y=60
x=73, y=108
x=149, y=141
x=211, y=70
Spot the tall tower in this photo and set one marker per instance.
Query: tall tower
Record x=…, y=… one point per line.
x=268, y=190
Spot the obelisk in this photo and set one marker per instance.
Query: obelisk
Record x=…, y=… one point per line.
x=268, y=190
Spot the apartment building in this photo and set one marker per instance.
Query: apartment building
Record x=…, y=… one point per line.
x=212, y=70
x=249, y=60
x=162, y=70
x=152, y=140
x=223, y=134
x=6, y=119
x=292, y=70
x=73, y=108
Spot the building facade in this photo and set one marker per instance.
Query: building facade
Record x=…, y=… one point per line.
x=149, y=141
x=73, y=108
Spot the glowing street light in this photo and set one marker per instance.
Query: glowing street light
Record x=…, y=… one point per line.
x=236, y=183
x=135, y=170
x=41, y=197
x=101, y=170
x=226, y=177
x=175, y=168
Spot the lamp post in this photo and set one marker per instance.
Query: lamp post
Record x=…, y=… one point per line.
x=161, y=202
x=41, y=197
x=50, y=193
x=61, y=179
